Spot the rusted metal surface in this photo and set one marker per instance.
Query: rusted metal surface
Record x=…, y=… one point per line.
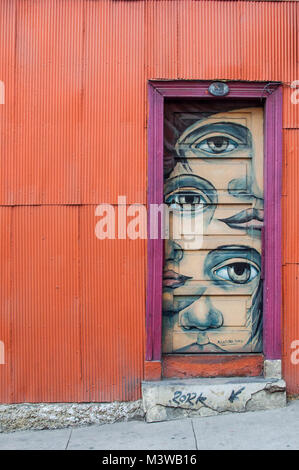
x=72, y=308
x=73, y=132
x=213, y=366
x=291, y=326
x=290, y=202
x=290, y=196
x=112, y=314
x=291, y=110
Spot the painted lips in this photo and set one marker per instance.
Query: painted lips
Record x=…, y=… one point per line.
x=249, y=218
x=173, y=279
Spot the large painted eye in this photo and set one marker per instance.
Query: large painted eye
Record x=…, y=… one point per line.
x=237, y=272
x=217, y=144
x=182, y=198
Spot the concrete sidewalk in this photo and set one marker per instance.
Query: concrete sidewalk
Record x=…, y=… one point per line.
x=274, y=429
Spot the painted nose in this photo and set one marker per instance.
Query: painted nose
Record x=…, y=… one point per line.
x=173, y=251
x=201, y=315
x=245, y=187
x=239, y=187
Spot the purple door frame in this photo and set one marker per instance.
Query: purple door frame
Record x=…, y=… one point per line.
x=271, y=94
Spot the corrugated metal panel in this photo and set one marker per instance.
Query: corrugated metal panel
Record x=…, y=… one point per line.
x=72, y=317
x=74, y=132
x=290, y=196
x=114, y=106
x=237, y=40
x=206, y=51
x=162, y=40
x=43, y=166
x=79, y=110
x=290, y=257
x=7, y=41
x=45, y=316
x=290, y=326
x=7, y=76
x=5, y=304
x=113, y=313
x=291, y=107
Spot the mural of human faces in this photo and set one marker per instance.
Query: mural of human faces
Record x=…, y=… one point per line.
x=212, y=294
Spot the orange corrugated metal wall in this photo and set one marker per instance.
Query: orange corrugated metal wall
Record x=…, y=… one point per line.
x=73, y=135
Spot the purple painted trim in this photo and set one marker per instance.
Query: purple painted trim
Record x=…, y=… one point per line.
x=158, y=90
x=154, y=247
x=273, y=223
x=190, y=89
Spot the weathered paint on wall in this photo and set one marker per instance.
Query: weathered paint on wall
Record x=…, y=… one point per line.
x=73, y=134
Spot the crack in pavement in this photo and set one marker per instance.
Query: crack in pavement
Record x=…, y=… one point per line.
x=194, y=434
x=67, y=444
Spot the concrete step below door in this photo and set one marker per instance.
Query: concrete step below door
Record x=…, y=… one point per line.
x=176, y=398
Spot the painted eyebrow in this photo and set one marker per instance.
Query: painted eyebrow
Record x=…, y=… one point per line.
x=191, y=181
x=224, y=253
x=236, y=130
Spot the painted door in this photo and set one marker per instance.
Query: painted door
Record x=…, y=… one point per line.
x=212, y=282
